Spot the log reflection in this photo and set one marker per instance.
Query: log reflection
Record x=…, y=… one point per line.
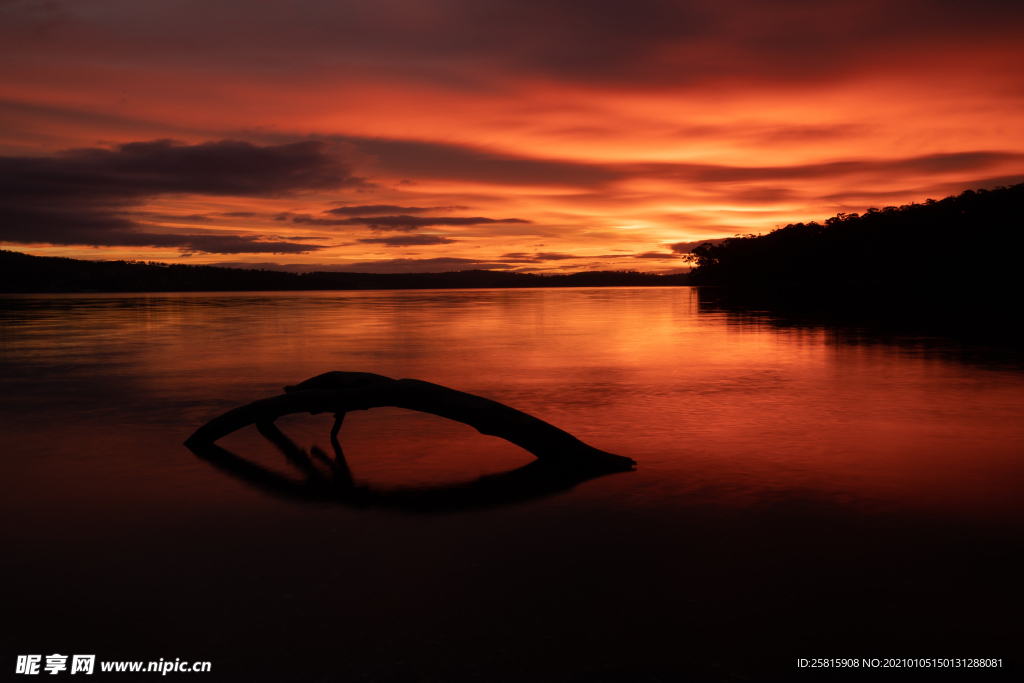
x=326, y=479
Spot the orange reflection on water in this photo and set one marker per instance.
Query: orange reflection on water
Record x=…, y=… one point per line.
x=710, y=405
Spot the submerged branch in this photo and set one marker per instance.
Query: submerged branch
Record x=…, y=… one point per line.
x=342, y=392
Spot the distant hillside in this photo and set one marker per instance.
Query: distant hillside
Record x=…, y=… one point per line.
x=972, y=242
x=24, y=273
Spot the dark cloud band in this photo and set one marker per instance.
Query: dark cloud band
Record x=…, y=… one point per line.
x=403, y=223
x=462, y=163
x=378, y=209
x=85, y=196
x=642, y=42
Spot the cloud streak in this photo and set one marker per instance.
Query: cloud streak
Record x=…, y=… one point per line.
x=461, y=163
x=87, y=196
x=408, y=240
x=404, y=223
x=378, y=209
x=439, y=161
x=547, y=256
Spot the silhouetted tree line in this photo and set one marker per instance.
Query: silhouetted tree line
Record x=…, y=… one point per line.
x=25, y=273
x=974, y=239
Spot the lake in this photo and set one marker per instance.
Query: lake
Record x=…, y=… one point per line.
x=800, y=492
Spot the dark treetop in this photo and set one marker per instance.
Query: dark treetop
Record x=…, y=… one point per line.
x=974, y=239
x=949, y=267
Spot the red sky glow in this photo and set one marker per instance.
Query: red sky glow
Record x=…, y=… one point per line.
x=547, y=136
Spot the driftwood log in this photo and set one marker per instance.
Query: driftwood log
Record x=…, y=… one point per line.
x=343, y=392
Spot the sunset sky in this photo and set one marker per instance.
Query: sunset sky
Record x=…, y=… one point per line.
x=547, y=136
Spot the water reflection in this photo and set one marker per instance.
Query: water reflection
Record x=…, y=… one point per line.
x=754, y=402
x=987, y=336
x=329, y=480
x=800, y=491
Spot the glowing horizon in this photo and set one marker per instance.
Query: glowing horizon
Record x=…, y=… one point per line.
x=544, y=137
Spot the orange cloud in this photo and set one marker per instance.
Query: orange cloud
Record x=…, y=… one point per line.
x=588, y=126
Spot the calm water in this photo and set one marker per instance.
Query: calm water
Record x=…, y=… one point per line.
x=797, y=494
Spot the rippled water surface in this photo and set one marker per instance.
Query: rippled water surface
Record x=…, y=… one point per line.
x=798, y=491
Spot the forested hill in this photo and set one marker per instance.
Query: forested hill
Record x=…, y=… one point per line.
x=973, y=241
x=24, y=273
